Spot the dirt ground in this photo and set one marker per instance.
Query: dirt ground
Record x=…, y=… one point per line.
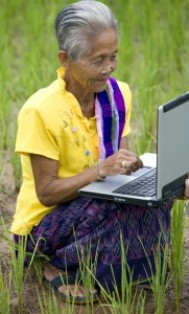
x=32, y=285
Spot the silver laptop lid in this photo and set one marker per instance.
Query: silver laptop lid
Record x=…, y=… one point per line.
x=173, y=143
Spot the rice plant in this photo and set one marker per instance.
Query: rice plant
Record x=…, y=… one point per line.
x=177, y=249
x=123, y=299
x=161, y=279
x=4, y=293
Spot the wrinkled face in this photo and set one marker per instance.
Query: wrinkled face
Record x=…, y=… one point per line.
x=92, y=71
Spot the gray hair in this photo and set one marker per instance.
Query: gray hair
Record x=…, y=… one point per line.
x=79, y=23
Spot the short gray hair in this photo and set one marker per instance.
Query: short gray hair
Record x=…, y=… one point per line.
x=79, y=23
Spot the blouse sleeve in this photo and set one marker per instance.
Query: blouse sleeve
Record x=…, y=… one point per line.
x=33, y=136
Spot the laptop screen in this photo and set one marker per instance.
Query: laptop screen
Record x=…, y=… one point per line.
x=173, y=144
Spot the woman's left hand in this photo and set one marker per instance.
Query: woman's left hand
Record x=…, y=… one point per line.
x=186, y=193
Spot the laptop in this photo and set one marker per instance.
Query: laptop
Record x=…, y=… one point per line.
x=162, y=180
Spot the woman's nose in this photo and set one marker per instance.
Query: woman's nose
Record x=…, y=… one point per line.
x=108, y=67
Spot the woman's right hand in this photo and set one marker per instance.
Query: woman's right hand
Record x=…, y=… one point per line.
x=121, y=162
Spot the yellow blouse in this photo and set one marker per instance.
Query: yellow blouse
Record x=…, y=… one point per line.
x=51, y=124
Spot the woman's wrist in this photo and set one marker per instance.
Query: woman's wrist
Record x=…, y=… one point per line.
x=98, y=176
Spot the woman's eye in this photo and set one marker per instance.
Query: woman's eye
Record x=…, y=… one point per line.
x=114, y=57
x=98, y=61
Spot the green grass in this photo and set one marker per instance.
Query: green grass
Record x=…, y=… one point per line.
x=161, y=279
x=177, y=252
x=4, y=294
x=153, y=59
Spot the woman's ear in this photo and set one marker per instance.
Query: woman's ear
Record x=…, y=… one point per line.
x=63, y=57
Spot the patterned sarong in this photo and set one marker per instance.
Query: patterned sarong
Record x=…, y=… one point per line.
x=94, y=226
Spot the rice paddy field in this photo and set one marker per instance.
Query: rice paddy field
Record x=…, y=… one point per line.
x=154, y=60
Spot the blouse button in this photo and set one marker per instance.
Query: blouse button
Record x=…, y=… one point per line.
x=87, y=152
x=74, y=129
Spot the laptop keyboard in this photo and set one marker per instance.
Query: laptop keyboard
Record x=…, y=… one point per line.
x=143, y=186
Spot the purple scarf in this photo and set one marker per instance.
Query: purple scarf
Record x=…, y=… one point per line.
x=110, y=116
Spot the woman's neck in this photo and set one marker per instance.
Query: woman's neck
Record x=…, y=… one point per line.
x=85, y=98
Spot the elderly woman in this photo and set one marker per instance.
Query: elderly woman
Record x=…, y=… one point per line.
x=64, y=145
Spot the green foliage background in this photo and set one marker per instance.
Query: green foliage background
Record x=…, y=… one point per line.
x=153, y=59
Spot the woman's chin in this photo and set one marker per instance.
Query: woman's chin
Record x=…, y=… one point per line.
x=100, y=87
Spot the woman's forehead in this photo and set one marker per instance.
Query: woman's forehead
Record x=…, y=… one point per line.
x=106, y=42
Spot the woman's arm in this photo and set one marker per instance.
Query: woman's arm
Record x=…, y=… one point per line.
x=52, y=190
x=124, y=143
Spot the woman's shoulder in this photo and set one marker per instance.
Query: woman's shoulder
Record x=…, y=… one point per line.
x=42, y=95
x=124, y=87
x=43, y=100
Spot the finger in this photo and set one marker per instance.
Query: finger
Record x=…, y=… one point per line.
x=186, y=194
x=140, y=162
x=134, y=163
x=187, y=184
x=128, y=166
x=124, y=164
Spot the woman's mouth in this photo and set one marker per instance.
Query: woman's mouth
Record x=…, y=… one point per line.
x=102, y=81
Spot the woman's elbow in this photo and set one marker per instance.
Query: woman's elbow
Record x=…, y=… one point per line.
x=45, y=199
x=48, y=200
